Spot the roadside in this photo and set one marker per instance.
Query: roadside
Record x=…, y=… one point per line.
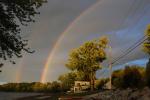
x=127, y=94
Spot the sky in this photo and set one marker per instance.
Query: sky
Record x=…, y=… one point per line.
x=66, y=24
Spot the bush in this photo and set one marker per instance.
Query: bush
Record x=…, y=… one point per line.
x=100, y=83
x=130, y=77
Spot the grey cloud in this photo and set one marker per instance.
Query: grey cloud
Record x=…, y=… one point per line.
x=108, y=18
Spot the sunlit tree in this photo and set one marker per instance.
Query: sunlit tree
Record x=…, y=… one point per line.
x=146, y=48
x=146, y=45
x=87, y=58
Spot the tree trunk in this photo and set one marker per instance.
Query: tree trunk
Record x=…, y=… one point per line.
x=92, y=81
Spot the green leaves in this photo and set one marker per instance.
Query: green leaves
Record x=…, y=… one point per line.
x=88, y=56
x=146, y=45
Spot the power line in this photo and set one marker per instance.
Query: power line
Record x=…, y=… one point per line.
x=135, y=43
x=138, y=4
x=131, y=47
x=129, y=51
x=138, y=44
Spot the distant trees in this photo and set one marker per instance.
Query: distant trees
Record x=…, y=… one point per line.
x=100, y=83
x=87, y=58
x=130, y=77
x=67, y=80
x=13, y=14
x=32, y=87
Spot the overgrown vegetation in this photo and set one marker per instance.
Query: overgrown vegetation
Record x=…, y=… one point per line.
x=130, y=77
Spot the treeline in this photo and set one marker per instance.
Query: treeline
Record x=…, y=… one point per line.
x=53, y=87
x=32, y=87
x=130, y=77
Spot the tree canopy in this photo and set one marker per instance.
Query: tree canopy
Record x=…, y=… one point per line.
x=13, y=14
x=146, y=45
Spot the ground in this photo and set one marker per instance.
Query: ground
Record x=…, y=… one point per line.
x=118, y=94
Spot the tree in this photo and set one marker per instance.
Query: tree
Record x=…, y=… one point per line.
x=87, y=58
x=81, y=76
x=131, y=76
x=146, y=45
x=13, y=14
x=67, y=80
x=146, y=48
x=117, y=78
x=101, y=83
x=147, y=74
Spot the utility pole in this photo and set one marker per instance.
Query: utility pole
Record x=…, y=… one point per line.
x=110, y=67
x=1, y=66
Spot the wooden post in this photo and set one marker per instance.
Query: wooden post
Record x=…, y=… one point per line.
x=110, y=67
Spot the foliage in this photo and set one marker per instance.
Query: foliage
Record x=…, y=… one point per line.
x=146, y=48
x=67, y=80
x=101, y=83
x=13, y=14
x=82, y=76
x=147, y=74
x=38, y=87
x=146, y=45
x=31, y=87
x=87, y=58
x=55, y=87
x=117, y=79
x=131, y=76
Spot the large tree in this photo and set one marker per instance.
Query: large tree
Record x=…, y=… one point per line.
x=146, y=48
x=13, y=14
x=87, y=58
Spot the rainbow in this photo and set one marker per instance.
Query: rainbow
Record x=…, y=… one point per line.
x=19, y=71
x=59, y=40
